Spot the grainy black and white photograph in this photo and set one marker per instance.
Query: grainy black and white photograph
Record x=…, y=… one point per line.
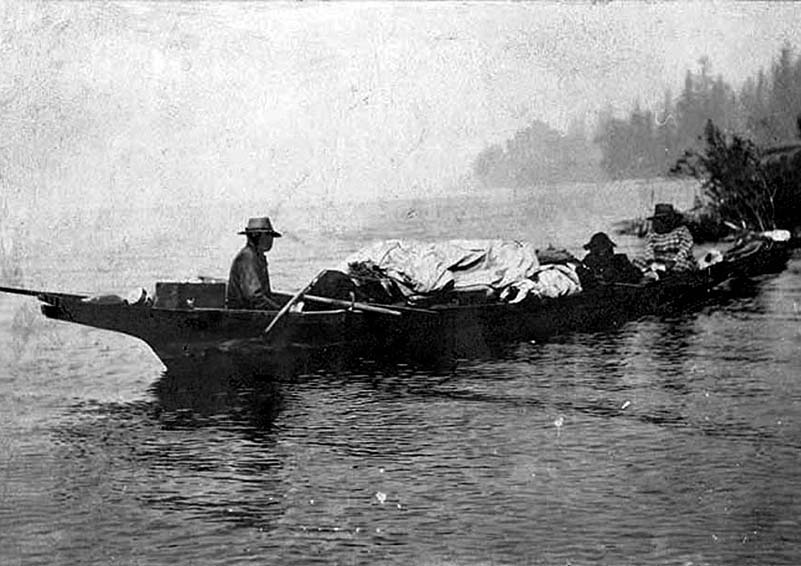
x=429, y=283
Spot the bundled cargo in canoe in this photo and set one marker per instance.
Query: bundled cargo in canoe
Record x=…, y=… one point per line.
x=356, y=312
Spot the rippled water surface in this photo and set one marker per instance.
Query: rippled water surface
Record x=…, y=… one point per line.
x=668, y=441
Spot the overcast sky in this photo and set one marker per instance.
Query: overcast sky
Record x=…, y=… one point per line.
x=131, y=102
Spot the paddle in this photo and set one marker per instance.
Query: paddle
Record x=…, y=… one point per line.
x=380, y=309
x=351, y=304
x=288, y=305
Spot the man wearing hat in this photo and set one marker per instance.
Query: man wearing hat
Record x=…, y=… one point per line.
x=669, y=244
x=249, y=281
x=605, y=265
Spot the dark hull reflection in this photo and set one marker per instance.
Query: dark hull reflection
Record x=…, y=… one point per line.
x=204, y=446
x=192, y=398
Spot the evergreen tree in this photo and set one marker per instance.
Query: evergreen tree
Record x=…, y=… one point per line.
x=538, y=153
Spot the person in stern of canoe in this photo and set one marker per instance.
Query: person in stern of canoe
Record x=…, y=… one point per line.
x=605, y=265
x=249, y=280
x=669, y=243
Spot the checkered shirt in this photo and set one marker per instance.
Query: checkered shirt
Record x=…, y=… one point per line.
x=675, y=246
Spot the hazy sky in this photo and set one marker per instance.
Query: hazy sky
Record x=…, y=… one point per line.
x=132, y=102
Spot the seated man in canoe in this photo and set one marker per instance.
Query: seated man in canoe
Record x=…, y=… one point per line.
x=604, y=265
x=669, y=243
x=249, y=280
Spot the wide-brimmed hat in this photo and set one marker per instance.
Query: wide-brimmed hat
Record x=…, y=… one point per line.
x=664, y=210
x=260, y=225
x=599, y=240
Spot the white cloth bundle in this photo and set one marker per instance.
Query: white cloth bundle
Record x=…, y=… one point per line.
x=502, y=265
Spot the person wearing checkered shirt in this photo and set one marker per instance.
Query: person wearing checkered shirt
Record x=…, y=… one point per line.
x=669, y=244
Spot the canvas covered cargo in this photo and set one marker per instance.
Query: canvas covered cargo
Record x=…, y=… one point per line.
x=505, y=269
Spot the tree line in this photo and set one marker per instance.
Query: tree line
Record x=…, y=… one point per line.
x=646, y=142
x=539, y=153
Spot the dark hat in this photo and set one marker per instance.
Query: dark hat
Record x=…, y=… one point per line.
x=260, y=225
x=599, y=240
x=664, y=210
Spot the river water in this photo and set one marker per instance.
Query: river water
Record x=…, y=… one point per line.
x=668, y=441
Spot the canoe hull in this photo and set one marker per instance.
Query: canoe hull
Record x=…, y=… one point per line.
x=479, y=329
x=187, y=337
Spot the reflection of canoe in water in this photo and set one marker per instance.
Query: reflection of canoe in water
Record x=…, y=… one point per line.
x=184, y=334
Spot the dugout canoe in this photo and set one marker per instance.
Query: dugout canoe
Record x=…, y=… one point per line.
x=183, y=334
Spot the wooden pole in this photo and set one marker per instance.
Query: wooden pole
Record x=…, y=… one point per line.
x=288, y=305
x=368, y=307
x=32, y=293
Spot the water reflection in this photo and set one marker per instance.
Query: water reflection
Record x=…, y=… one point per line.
x=196, y=398
x=203, y=449
x=671, y=342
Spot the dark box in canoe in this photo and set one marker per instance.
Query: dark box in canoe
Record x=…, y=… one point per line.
x=186, y=295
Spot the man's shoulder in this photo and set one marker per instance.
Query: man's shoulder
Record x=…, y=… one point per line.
x=245, y=254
